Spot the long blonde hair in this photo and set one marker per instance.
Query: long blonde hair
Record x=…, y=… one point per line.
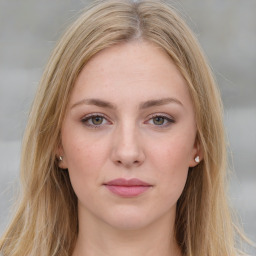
x=46, y=221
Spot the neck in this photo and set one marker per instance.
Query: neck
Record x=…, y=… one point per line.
x=100, y=239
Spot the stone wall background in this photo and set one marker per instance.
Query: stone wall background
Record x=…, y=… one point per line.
x=226, y=30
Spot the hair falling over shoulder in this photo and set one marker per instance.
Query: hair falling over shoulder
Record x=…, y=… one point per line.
x=46, y=221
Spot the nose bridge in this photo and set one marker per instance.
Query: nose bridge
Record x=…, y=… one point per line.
x=127, y=149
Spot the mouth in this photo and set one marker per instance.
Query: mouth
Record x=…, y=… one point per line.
x=127, y=188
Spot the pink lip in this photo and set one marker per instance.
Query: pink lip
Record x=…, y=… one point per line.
x=127, y=188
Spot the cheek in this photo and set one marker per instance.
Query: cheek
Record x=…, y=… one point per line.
x=84, y=159
x=171, y=162
x=81, y=148
x=173, y=153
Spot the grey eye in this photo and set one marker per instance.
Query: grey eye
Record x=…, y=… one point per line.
x=158, y=120
x=97, y=120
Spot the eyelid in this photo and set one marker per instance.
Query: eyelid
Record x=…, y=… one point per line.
x=161, y=115
x=167, y=117
x=85, y=118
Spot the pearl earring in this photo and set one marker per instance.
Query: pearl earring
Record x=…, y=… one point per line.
x=60, y=158
x=197, y=159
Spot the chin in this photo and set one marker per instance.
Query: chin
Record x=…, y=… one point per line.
x=126, y=225
x=128, y=219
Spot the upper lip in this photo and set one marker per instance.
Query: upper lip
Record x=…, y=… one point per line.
x=127, y=183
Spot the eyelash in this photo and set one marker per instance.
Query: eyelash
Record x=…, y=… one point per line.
x=166, y=118
x=89, y=117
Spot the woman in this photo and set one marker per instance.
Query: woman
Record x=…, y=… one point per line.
x=124, y=152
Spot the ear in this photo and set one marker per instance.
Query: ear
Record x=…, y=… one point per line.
x=61, y=159
x=196, y=154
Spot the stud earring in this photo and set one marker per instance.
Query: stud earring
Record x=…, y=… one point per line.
x=60, y=158
x=197, y=159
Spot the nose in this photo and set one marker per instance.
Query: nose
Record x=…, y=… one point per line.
x=127, y=150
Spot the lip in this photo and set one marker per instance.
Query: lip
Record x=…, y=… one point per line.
x=127, y=183
x=127, y=188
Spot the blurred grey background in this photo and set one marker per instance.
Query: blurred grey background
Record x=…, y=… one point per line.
x=226, y=30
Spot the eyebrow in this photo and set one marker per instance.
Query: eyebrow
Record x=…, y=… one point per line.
x=96, y=102
x=143, y=105
x=159, y=102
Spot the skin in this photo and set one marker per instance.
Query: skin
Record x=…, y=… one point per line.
x=128, y=141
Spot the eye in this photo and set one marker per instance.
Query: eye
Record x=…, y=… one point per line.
x=97, y=120
x=161, y=120
x=94, y=120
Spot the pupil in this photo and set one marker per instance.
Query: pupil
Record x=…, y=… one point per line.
x=158, y=120
x=97, y=120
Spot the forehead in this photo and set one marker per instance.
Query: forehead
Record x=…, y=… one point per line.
x=134, y=70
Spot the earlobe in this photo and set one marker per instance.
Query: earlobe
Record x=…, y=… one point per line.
x=195, y=161
x=61, y=162
x=61, y=158
x=197, y=156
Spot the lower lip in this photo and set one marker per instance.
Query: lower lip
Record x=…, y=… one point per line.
x=127, y=191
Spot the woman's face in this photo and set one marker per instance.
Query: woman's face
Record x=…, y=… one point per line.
x=130, y=116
